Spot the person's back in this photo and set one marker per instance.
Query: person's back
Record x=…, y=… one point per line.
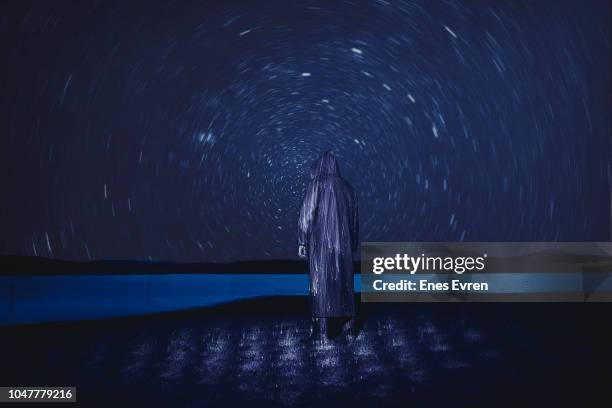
x=328, y=229
x=334, y=214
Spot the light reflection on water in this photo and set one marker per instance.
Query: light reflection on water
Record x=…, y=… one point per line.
x=276, y=360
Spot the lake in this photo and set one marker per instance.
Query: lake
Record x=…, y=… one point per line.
x=37, y=299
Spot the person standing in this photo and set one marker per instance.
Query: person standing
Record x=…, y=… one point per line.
x=328, y=230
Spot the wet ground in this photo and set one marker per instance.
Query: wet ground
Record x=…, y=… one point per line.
x=260, y=352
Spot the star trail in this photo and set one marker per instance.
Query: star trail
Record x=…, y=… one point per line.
x=186, y=130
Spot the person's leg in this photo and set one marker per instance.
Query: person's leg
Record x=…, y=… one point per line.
x=349, y=326
x=313, y=323
x=318, y=327
x=323, y=326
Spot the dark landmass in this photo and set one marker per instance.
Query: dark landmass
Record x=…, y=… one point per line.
x=24, y=265
x=259, y=353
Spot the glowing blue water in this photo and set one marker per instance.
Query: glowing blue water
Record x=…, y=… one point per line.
x=35, y=299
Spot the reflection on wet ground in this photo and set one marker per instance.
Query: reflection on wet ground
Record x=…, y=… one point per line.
x=261, y=351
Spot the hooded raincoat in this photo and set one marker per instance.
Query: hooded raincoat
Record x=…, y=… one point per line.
x=328, y=228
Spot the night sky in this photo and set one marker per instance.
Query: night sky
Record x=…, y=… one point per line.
x=185, y=131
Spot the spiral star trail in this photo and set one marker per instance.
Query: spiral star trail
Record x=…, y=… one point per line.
x=186, y=130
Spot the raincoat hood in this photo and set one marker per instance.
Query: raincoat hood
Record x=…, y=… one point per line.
x=326, y=165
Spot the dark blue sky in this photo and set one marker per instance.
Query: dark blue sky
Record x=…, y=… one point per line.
x=185, y=130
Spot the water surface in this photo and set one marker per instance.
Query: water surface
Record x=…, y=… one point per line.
x=35, y=299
